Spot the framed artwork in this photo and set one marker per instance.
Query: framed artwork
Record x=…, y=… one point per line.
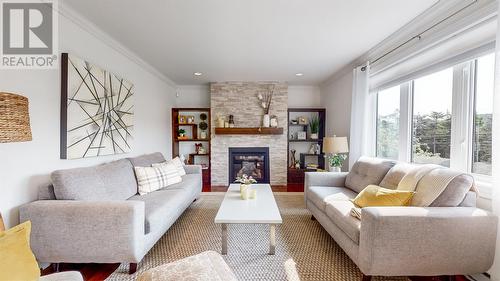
x=97, y=110
x=182, y=119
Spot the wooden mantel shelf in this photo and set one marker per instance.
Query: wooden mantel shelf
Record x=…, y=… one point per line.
x=249, y=131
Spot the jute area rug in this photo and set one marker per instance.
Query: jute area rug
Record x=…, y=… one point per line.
x=304, y=250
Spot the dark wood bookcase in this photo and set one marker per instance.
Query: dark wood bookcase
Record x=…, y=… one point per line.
x=186, y=146
x=296, y=176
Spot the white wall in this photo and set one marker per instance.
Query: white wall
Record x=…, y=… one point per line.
x=193, y=96
x=336, y=96
x=199, y=96
x=25, y=166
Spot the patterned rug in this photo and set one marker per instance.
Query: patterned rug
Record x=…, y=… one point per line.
x=304, y=250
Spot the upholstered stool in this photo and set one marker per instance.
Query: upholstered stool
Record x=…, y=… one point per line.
x=206, y=266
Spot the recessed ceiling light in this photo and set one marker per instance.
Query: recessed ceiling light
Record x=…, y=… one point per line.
x=299, y=74
x=198, y=74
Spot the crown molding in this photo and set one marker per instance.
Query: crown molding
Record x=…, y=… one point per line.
x=481, y=11
x=75, y=17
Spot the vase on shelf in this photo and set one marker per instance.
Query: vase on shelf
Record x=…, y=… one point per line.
x=266, y=121
x=314, y=136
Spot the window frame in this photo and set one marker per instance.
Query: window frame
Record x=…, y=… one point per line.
x=463, y=114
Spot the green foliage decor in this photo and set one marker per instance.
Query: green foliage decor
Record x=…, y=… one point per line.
x=314, y=125
x=336, y=160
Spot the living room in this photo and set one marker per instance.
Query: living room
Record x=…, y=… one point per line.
x=249, y=140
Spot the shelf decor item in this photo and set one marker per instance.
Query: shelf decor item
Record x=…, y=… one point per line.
x=181, y=134
x=335, y=148
x=245, y=185
x=14, y=118
x=190, y=119
x=302, y=120
x=314, y=126
x=301, y=135
x=265, y=102
x=274, y=121
x=203, y=126
x=182, y=119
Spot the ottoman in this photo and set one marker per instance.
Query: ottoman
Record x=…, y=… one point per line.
x=206, y=266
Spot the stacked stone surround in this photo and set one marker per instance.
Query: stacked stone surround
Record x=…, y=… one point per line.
x=240, y=100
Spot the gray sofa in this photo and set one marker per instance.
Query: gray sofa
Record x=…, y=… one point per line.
x=449, y=237
x=94, y=214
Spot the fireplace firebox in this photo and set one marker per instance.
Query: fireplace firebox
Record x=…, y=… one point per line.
x=252, y=161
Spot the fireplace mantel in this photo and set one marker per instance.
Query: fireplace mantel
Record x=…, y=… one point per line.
x=249, y=131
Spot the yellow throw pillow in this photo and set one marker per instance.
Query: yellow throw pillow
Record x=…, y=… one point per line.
x=17, y=262
x=376, y=196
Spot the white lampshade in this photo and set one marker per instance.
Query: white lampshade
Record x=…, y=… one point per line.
x=335, y=145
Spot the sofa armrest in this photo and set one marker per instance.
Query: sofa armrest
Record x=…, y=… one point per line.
x=192, y=169
x=86, y=231
x=415, y=241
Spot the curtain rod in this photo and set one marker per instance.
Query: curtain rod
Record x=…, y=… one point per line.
x=419, y=36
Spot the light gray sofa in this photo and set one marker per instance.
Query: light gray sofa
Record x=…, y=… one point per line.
x=94, y=214
x=450, y=237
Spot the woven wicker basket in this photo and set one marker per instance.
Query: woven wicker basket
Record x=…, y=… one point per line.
x=14, y=118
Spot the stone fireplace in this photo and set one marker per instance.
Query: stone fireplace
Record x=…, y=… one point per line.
x=240, y=100
x=251, y=161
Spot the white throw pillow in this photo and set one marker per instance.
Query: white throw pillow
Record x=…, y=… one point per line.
x=178, y=165
x=150, y=179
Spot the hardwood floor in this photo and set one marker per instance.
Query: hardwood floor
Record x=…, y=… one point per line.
x=97, y=272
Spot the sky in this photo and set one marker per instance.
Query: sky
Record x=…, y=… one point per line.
x=434, y=92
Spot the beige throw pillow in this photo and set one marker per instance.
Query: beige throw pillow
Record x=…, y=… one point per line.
x=150, y=179
x=176, y=162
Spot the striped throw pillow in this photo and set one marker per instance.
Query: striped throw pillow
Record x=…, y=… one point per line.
x=150, y=179
x=176, y=162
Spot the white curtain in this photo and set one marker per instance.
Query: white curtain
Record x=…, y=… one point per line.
x=495, y=145
x=363, y=116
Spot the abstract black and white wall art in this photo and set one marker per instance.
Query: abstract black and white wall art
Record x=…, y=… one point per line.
x=97, y=110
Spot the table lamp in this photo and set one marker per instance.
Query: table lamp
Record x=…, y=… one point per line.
x=14, y=118
x=334, y=148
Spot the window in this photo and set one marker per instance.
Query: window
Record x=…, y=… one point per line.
x=431, y=128
x=483, y=111
x=388, y=123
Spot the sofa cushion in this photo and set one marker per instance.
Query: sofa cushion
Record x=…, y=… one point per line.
x=376, y=196
x=147, y=160
x=340, y=213
x=161, y=207
x=150, y=179
x=320, y=195
x=455, y=192
x=110, y=181
x=395, y=174
x=367, y=171
x=191, y=182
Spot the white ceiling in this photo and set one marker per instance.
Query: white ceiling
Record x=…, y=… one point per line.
x=249, y=40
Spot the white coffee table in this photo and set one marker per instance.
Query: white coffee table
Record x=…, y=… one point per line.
x=262, y=210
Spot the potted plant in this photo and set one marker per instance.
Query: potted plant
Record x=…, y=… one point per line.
x=245, y=183
x=314, y=126
x=265, y=102
x=181, y=133
x=336, y=161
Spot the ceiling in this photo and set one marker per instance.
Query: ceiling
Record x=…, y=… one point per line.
x=249, y=40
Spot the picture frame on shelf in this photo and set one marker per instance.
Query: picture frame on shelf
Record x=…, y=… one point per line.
x=301, y=135
x=182, y=119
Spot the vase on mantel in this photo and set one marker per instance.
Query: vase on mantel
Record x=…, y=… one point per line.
x=266, y=121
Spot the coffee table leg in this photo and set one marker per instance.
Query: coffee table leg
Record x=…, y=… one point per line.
x=224, y=239
x=272, y=246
